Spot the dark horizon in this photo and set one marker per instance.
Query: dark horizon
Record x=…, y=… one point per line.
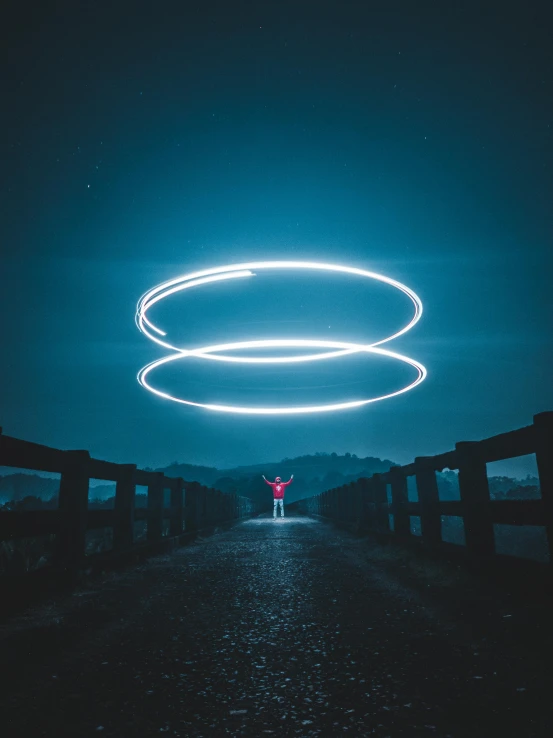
x=141, y=143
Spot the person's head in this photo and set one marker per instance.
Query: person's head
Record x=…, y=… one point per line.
x=277, y=480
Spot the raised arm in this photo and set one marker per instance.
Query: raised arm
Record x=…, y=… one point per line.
x=285, y=484
x=271, y=484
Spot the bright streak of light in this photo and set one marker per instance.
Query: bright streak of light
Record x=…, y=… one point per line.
x=217, y=352
x=170, y=290
x=294, y=410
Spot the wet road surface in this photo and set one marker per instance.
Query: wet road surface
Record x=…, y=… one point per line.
x=286, y=628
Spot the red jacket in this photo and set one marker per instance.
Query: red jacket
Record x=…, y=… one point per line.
x=278, y=489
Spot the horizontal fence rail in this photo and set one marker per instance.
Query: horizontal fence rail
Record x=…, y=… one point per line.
x=193, y=507
x=366, y=504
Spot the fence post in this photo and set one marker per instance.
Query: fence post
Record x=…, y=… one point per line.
x=429, y=500
x=201, y=511
x=191, y=506
x=380, y=498
x=208, y=502
x=348, y=502
x=220, y=509
x=475, y=496
x=543, y=425
x=155, y=508
x=362, y=486
x=350, y=496
x=200, y=506
x=364, y=516
x=217, y=506
x=354, y=492
x=73, y=510
x=123, y=525
x=371, y=516
x=177, y=507
x=398, y=484
x=338, y=504
x=210, y=506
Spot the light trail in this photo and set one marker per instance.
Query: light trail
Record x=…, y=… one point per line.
x=217, y=352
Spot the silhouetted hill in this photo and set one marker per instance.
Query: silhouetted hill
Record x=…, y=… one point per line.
x=20, y=485
x=312, y=474
x=192, y=472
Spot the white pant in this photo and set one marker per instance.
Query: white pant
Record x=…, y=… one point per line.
x=276, y=503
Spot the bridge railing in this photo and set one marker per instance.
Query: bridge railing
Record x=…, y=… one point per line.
x=365, y=502
x=193, y=507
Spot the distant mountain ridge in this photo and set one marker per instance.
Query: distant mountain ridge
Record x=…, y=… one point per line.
x=20, y=485
x=312, y=474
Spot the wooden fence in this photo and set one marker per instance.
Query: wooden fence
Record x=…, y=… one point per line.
x=366, y=504
x=192, y=506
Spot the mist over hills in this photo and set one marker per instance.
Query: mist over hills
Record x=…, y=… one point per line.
x=18, y=486
x=312, y=474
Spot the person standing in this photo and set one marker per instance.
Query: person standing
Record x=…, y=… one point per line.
x=278, y=493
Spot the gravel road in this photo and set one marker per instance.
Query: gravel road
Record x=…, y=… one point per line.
x=286, y=628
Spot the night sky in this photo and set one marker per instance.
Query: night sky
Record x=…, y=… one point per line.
x=143, y=140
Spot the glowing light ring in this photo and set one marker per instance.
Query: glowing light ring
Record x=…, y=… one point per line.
x=215, y=352
x=351, y=348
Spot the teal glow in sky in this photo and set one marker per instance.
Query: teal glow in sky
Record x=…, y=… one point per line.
x=146, y=141
x=256, y=351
